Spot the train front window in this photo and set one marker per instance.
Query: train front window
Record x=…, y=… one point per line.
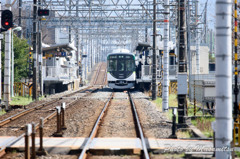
x=121, y=64
x=130, y=65
x=112, y=65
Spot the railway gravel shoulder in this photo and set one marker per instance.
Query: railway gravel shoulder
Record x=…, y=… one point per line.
x=154, y=122
x=32, y=104
x=81, y=117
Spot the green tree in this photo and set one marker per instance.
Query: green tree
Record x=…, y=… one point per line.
x=20, y=58
x=21, y=48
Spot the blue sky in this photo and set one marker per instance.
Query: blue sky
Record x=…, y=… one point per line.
x=211, y=11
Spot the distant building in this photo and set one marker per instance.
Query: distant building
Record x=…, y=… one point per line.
x=204, y=59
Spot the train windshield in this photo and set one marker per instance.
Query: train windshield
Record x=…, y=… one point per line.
x=121, y=63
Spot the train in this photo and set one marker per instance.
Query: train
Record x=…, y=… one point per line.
x=121, y=68
x=126, y=70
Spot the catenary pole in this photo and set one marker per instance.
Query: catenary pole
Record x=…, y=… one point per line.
x=236, y=90
x=166, y=57
x=182, y=64
x=154, y=65
x=35, y=52
x=197, y=40
x=0, y=59
x=40, y=51
x=189, y=49
x=223, y=75
x=20, y=17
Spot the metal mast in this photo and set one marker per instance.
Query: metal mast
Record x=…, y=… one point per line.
x=223, y=98
x=166, y=58
x=182, y=64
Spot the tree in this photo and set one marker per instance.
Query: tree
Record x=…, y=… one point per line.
x=21, y=48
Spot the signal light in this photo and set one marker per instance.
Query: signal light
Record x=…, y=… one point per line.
x=7, y=19
x=43, y=12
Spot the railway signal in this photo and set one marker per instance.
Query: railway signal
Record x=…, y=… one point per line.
x=43, y=12
x=7, y=19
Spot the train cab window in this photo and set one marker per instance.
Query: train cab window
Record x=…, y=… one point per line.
x=113, y=57
x=121, y=65
x=112, y=65
x=120, y=56
x=130, y=65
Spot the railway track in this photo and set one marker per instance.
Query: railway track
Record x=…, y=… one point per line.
x=46, y=110
x=101, y=75
x=50, y=105
x=100, y=122
x=26, y=114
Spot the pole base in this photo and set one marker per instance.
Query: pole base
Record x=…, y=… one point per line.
x=173, y=136
x=58, y=134
x=42, y=152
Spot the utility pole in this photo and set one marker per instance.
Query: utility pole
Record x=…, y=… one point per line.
x=197, y=39
x=182, y=65
x=223, y=99
x=40, y=51
x=166, y=58
x=154, y=63
x=34, y=43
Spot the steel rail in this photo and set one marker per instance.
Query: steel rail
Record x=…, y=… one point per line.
x=146, y=155
x=105, y=77
x=98, y=71
x=83, y=154
x=20, y=114
x=50, y=116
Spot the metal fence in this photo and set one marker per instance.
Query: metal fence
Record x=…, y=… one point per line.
x=59, y=72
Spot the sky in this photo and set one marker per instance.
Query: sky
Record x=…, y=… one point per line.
x=211, y=11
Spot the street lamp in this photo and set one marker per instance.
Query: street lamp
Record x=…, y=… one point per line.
x=12, y=81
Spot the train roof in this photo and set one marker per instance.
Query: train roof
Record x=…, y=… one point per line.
x=120, y=51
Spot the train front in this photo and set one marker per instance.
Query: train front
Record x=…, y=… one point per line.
x=121, y=70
